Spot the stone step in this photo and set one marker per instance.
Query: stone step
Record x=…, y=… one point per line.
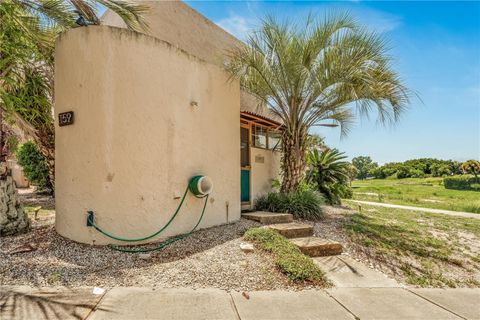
x=268, y=217
x=293, y=229
x=317, y=247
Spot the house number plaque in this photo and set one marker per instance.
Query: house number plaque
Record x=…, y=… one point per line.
x=65, y=118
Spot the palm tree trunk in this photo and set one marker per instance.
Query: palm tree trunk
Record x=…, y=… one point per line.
x=293, y=161
x=12, y=217
x=46, y=145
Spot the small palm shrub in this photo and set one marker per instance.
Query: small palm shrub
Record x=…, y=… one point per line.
x=304, y=204
x=34, y=165
x=328, y=173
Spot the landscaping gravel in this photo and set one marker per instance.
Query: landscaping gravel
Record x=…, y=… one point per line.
x=208, y=258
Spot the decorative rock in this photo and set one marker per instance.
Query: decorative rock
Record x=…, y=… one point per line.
x=145, y=256
x=246, y=247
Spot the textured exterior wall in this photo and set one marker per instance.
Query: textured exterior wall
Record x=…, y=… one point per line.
x=179, y=24
x=263, y=173
x=136, y=139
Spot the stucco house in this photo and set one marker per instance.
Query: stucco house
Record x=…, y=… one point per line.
x=148, y=112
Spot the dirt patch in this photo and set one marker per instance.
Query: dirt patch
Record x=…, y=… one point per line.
x=457, y=263
x=208, y=258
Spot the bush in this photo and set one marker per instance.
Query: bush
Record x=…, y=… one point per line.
x=288, y=258
x=465, y=182
x=328, y=173
x=403, y=172
x=415, y=173
x=305, y=204
x=34, y=165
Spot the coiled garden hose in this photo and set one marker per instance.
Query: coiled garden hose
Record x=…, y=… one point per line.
x=193, y=186
x=168, y=242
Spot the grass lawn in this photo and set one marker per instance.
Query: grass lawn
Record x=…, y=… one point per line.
x=419, y=192
x=428, y=250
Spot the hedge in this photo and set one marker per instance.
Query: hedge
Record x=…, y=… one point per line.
x=463, y=182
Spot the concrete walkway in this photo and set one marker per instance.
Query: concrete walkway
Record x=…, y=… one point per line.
x=429, y=210
x=345, y=272
x=149, y=303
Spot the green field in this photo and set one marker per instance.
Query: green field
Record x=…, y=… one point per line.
x=418, y=192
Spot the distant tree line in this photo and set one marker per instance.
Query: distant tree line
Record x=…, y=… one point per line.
x=415, y=168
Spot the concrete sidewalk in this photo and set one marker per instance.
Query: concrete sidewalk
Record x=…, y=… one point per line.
x=149, y=303
x=421, y=209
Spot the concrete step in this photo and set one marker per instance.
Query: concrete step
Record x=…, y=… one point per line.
x=293, y=229
x=317, y=247
x=268, y=217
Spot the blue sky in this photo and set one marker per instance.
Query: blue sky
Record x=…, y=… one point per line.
x=436, y=47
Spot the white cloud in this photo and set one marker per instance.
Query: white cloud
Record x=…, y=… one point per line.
x=375, y=20
x=237, y=25
x=378, y=21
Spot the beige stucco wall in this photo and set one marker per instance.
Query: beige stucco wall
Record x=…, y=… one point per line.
x=179, y=24
x=263, y=173
x=136, y=139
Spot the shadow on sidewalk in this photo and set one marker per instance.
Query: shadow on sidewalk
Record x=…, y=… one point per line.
x=47, y=303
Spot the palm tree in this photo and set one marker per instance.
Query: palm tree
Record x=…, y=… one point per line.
x=329, y=69
x=66, y=13
x=328, y=171
x=27, y=32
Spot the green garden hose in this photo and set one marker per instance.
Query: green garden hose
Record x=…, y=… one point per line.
x=194, y=187
x=168, y=242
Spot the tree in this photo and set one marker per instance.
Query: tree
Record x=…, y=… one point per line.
x=27, y=32
x=352, y=172
x=471, y=166
x=34, y=165
x=440, y=170
x=323, y=70
x=328, y=171
x=364, y=165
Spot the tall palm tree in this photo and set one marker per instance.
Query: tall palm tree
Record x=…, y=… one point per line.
x=328, y=69
x=27, y=32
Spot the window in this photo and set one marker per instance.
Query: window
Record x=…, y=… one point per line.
x=274, y=140
x=259, y=136
x=265, y=138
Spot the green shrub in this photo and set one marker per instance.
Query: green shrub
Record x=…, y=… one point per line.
x=288, y=258
x=464, y=182
x=34, y=165
x=328, y=173
x=415, y=173
x=305, y=204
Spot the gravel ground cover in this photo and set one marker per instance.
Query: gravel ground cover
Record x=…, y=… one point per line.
x=208, y=258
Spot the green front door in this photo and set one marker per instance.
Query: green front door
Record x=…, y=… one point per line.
x=245, y=186
x=245, y=163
